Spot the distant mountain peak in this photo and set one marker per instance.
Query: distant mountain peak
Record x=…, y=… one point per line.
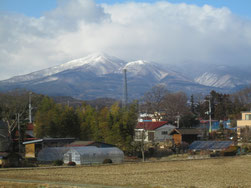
x=101, y=75
x=144, y=68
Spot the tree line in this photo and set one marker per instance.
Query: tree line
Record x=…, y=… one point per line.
x=113, y=125
x=177, y=106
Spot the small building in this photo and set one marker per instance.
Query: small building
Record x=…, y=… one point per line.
x=33, y=147
x=156, y=116
x=187, y=135
x=153, y=131
x=244, y=122
x=93, y=155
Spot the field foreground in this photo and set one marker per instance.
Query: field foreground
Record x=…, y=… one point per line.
x=221, y=172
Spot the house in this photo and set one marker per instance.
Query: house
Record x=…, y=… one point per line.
x=187, y=135
x=33, y=147
x=216, y=125
x=93, y=155
x=156, y=116
x=153, y=131
x=245, y=121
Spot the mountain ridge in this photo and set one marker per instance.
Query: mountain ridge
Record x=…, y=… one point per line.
x=100, y=75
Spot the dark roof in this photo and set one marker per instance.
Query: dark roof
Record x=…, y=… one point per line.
x=185, y=131
x=90, y=143
x=210, y=145
x=150, y=125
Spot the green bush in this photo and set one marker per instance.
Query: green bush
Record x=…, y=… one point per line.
x=58, y=163
x=246, y=148
x=231, y=151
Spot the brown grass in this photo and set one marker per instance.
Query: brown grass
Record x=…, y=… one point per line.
x=223, y=172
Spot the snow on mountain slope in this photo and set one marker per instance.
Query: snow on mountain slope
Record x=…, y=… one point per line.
x=100, y=64
x=97, y=63
x=100, y=75
x=144, y=68
x=216, y=80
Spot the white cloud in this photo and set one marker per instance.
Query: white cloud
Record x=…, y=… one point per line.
x=162, y=32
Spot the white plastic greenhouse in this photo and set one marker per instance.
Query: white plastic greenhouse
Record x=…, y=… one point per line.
x=93, y=154
x=52, y=153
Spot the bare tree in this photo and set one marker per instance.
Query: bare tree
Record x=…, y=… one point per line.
x=14, y=107
x=175, y=104
x=153, y=100
x=245, y=134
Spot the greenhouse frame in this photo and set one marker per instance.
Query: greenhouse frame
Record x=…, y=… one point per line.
x=93, y=155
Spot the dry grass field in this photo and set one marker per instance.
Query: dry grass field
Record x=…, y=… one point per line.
x=221, y=172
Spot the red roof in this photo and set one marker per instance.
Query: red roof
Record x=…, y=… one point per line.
x=206, y=121
x=150, y=125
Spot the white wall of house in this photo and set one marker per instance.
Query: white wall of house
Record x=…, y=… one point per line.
x=139, y=133
x=162, y=133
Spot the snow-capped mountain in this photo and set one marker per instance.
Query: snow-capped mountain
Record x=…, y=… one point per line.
x=98, y=63
x=224, y=77
x=100, y=75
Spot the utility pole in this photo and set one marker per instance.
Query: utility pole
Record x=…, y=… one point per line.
x=210, y=115
x=30, y=108
x=125, y=99
x=178, y=120
x=19, y=133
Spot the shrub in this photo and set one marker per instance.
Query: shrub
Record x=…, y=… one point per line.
x=71, y=163
x=58, y=163
x=106, y=161
x=231, y=151
x=27, y=163
x=246, y=148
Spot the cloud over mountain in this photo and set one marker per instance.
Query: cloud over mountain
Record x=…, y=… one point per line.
x=162, y=31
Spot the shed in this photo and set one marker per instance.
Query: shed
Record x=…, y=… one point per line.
x=184, y=135
x=33, y=147
x=93, y=154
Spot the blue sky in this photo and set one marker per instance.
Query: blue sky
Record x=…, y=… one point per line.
x=37, y=7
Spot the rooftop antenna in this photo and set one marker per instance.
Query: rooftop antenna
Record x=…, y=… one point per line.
x=125, y=89
x=30, y=108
